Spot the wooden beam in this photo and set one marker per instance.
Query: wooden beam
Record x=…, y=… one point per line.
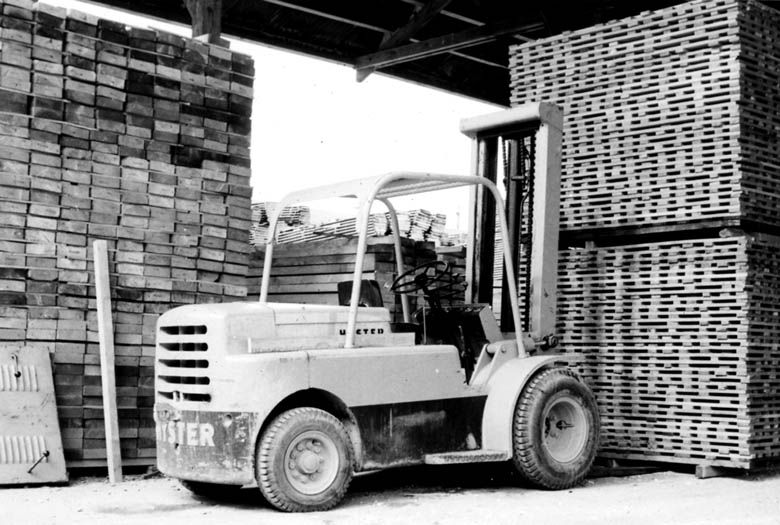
x=371, y=27
x=206, y=19
x=451, y=14
x=419, y=19
x=439, y=45
x=107, y=371
x=320, y=11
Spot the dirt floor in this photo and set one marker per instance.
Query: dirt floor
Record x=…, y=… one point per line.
x=445, y=495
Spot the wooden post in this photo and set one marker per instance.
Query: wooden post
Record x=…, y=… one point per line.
x=206, y=20
x=107, y=372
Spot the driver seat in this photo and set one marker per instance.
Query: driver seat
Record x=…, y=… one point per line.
x=370, y=293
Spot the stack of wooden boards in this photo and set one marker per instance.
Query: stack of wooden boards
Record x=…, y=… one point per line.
x=291, y=217
x=137, y=137
x=670, y=136
x=295, y=225
x=680, y=346
x=309, y=273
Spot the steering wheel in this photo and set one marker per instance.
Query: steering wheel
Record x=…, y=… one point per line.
x=429, y=276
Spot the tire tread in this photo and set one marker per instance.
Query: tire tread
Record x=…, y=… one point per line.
x=266, y=479
x=524, y=455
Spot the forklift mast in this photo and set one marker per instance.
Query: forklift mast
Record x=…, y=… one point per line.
x=530, y=136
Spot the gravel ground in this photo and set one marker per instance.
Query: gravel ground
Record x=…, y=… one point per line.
x=445, y=495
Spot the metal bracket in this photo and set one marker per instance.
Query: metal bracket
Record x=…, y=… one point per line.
x=17, y=372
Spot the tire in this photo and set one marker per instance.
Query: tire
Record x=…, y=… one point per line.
x=216, y=491
x=556, y=430
x=304, y=461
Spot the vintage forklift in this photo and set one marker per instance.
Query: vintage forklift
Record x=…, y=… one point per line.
x=296, y=398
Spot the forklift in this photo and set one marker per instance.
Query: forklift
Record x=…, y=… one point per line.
x=296, y=398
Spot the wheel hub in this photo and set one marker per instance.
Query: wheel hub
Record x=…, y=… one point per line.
x=308, y=462
x=565, y=429
x=312, y=462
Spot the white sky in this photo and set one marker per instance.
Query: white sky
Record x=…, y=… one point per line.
x=313, y=124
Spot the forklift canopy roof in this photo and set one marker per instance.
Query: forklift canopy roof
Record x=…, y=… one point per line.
x=393, y=184
x=382, y=188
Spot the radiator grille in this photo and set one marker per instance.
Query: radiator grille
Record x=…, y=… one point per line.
x=182, y=367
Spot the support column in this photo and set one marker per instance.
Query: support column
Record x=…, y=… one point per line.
x=206, y=20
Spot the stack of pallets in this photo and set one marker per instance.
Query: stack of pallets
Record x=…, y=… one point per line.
x=678, y=344
x=652, y=115
x=669, y=174
x=137, y=137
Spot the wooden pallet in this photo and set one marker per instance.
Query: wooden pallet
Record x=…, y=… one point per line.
x=135, y=136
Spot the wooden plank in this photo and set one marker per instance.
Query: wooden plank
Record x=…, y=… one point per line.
x=710, y=471
x=108, y=379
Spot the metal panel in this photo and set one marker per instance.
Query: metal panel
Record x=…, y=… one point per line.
x=30, y=441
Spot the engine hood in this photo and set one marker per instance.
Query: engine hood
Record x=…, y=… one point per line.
x=247, y=327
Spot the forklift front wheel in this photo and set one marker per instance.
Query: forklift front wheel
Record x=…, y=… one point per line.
x=556, y=429
x=304, y=461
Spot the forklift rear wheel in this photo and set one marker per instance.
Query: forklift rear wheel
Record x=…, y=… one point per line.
x=304, y=461
x=556, y=429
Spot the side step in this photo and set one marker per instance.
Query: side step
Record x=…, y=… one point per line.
x=467, y=456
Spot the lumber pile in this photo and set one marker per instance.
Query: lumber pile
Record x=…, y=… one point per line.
x=137, y=137
x=670, y=128
x=652, y=116
x=291, y=217
x=309, y=273
x=295, y=225
x=679, y=344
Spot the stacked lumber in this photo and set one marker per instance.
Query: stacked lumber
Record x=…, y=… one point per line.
x=137, y=137
x=419, y=225
x=679, y=341
x=759, y=111
x=652, y=116
x=671, y=125
x=291, y=217
x=309, y=273
x=342, y=228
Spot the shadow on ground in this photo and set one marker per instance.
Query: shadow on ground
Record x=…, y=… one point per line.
x=409, y=480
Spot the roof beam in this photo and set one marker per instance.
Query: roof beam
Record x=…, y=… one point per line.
x=357, y=23
x=450, y=14
x=419, y=19
x=439, y=45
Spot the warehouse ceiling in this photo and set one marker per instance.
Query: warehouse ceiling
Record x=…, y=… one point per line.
x=460, y=46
